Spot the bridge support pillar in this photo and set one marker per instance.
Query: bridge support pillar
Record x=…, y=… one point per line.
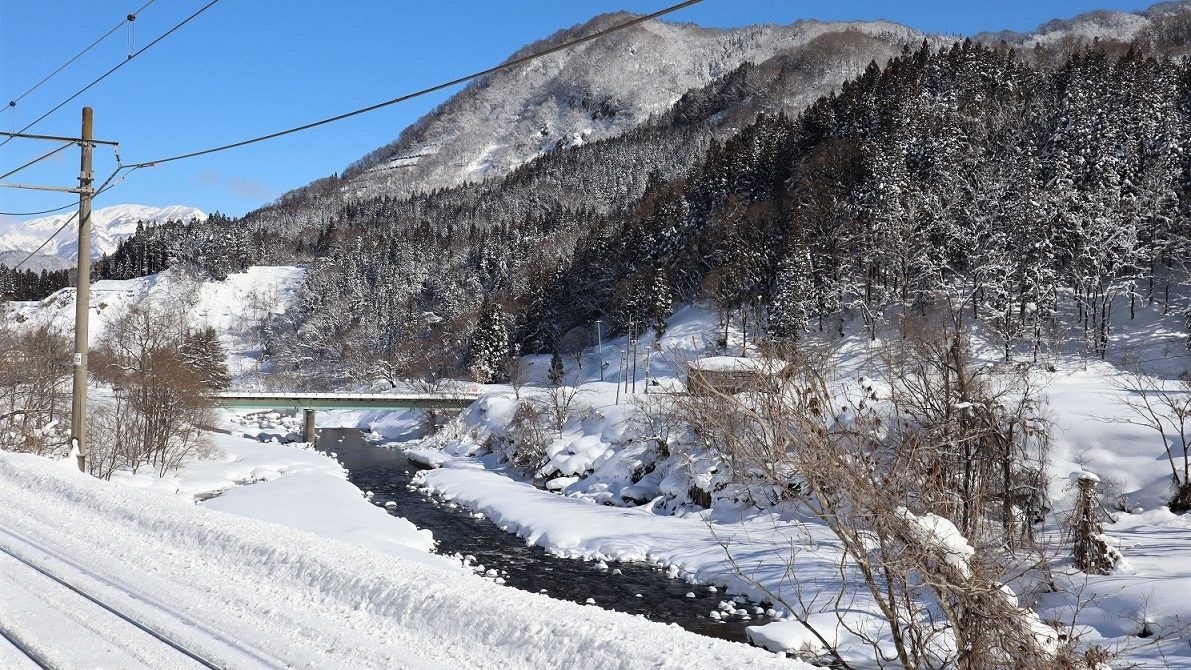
x=308, y=432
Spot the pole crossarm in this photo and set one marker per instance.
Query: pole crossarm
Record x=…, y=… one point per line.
x=37, y=187
x=56, y=138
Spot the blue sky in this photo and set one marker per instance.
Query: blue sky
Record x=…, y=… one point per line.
x=248, y=67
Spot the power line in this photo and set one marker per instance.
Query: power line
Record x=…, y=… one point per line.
x=36, y=160
x=44, y=211
x=46, y=241
x=119, y=65
x=106, y=186
x=426, y=91
x=409, y=96
x=130, y=18
x=69, y=142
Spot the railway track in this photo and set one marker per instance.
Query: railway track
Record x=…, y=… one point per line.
x=22, y=651
x=67, y=615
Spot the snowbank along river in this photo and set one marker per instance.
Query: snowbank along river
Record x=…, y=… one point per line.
x=634, y=588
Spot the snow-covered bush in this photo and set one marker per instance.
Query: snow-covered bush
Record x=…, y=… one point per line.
x=1091, y=549
x=528, y=437
x=34, y=390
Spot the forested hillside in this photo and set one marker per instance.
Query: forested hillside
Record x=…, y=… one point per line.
x=959, y=171
x=30, y=285
x=966, y=173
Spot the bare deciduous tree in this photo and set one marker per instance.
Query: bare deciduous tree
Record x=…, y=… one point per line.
x=919, y=481
x=34, y=389
x=557, y=400
x=160, y=402
x=1164, y=407
x=516, y=370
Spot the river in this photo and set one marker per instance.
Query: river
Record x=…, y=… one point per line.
x=635, y=588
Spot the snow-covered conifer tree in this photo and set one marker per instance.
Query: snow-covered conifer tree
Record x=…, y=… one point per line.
x=557, y=372
x=489, y=345
x=202, y=353
x=660, y=301
x=792, y=300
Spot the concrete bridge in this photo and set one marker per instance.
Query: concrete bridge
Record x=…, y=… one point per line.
x=309, y=402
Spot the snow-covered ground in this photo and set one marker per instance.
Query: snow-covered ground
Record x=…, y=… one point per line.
x=292, y=485
x=598, y=506
x=237, y=307
x=591, y=508
x=255, y=594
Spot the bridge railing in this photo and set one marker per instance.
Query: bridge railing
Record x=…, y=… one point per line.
x=309, y=402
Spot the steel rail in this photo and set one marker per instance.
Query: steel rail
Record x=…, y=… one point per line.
x=33, y=656
x=194, y=656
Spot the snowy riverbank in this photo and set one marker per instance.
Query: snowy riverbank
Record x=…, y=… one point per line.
x=289, y=484
x=597, y=504
x=257, y=594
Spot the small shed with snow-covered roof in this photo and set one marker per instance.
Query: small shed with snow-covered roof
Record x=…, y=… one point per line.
x=730, y=374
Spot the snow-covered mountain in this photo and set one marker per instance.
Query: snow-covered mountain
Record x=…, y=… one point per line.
x=37, y=263
x=598, y=90
x=1149, y=26
x=111, y=225
x=608, y=87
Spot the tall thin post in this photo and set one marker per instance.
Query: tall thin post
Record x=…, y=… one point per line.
x=600, y=344
x=648, y=353
x=744, y=332
x=624, y=357
x=628, y=348
x=634, y=365
x=82, y=303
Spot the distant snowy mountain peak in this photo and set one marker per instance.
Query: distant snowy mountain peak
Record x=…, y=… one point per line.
x=1152, y=27
x=111, y=225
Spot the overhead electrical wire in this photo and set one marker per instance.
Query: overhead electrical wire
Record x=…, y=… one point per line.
x=387, y=103
x=107, y=185
x=128, y=19
x=119, y=65
x=72, y=203
x=426, y=91
x=41, y=246
x=36, y=160
x=43, y=211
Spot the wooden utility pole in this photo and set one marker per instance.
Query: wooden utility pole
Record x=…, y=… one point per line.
x=82, y=298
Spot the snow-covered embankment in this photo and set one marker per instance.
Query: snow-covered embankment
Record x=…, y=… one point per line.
x=292, y=596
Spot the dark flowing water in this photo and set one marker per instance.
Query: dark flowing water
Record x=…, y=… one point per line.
x=637, y=589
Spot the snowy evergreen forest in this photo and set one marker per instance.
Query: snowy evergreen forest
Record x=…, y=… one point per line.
x=30, y=285
x=1020, y=180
